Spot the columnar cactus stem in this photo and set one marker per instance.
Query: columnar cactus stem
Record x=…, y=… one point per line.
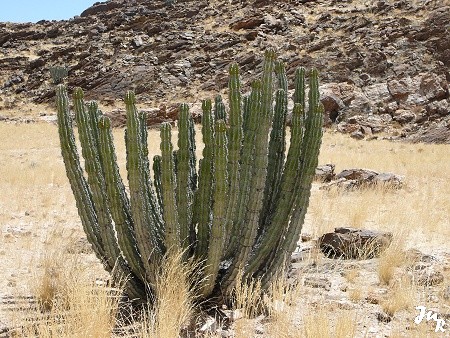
x=84, y=200
x=184, y=184
x=80, y=188
x=259, y=173
x=145, y=226
x=277, y=148
x=168, y=184
x=157, y=179
x=288, y=190
x=96, y=180
x=203, y=196
x=308, y=163
x=219, y=109
x=235, y=136
x=118, y=200
x=246, y=167
x=216, y=242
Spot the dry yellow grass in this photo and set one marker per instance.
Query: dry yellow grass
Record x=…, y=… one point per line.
x=70, y=304
x=402, y=296
x=175, y=295
x=418, y=211
x=391, y=259
x=280, y=301
x=322, y=324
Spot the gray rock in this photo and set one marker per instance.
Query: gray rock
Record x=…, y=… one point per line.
x=433, y=87
x=325, y=173
x=318, y=282
x=403, y=116
x=428, y=277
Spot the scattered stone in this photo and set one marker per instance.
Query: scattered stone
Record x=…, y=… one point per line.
x=210, y=325
x=325, y=173
x=384, y=317
x=356, y=178
x=317, y=282
x=351, y=243
x=446, y=293
x=429, y=277
x=357, y=135
x=305, y=237
x=372, y=299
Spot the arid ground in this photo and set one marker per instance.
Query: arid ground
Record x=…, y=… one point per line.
x=41, y=240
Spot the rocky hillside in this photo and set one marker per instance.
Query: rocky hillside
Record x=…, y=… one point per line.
x=384, y=64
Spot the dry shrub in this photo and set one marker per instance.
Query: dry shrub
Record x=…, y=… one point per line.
x=402, y=296
x=321, y=324
x=355, y=294
x=391, y=259
x=280, y=301
x=247, y=297
x=351, y=274
x=175, y=292
x=74, y=306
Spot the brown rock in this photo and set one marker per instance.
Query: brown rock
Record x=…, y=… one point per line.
x=351, y=243
x=247, y=23
x=429, y=277
x=399, y=89
x=357, y=174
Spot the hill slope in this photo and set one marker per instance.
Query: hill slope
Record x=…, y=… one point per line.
x=384, y=64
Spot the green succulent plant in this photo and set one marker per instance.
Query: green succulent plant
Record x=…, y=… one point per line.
x=242, y=210
x=58, y=73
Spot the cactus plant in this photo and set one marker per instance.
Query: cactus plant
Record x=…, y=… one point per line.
x=240, y=215
x=58, y=73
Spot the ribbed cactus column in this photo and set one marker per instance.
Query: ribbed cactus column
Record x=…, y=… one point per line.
x=118, y=199
x=140, y=197
x=88, y=205
x=235, y=137
x=246, y=173
x=203, y=196
x=308, y=162
x=249, y=224
x=168, y=185
x=184, y=183
x=220, y=192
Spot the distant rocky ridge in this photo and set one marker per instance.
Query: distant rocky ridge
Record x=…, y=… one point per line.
x=384, y=64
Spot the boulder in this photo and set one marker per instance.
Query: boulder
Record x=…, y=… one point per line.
x=399, y=89
x=350, y=179
x=403, y=116
x=352, y=243
x=357, y=174
x=325, y=173
x=433, y=87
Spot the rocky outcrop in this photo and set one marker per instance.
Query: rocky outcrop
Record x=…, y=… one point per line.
x=387, y=74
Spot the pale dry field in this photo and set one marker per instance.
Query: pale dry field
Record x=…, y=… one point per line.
x=40, y=229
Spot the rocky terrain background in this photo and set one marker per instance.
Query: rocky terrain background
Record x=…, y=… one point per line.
x=384, y=64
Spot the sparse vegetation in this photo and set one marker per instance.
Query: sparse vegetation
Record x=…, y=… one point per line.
x=34, y=178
